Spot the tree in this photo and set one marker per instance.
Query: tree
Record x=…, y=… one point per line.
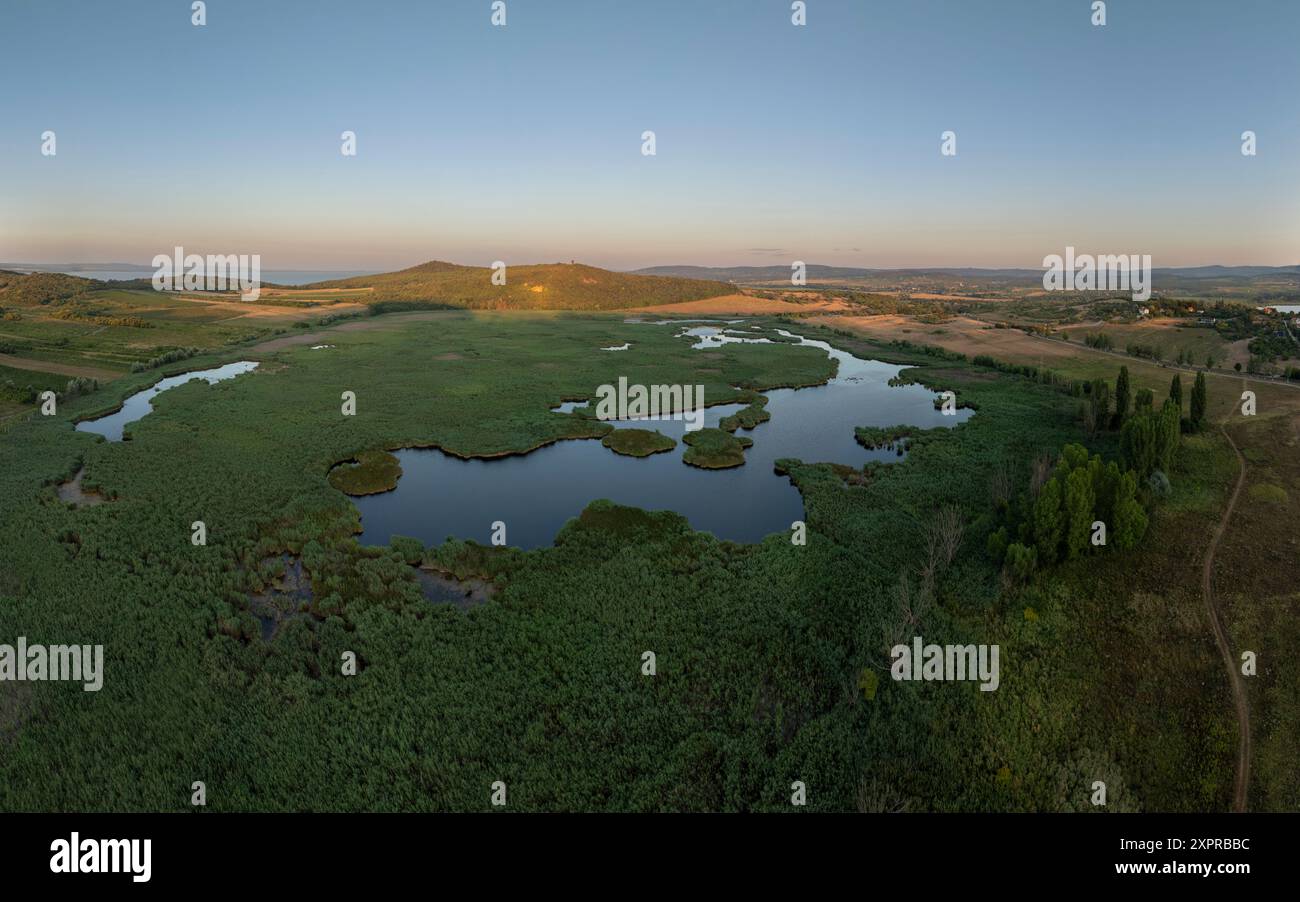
x=1199, y=401
x=1122, y=395
x=1176, y=392
x=1079, y=503
x=1073, y=456
x=1100, y=399
x=1048, y=522
x=1105, y=484
x=946, y=532
x=1021, y=561
x=1130, y=518
x=1144, y=401
x=1168, y=432
x=1137, y=443
x=943, y=538
x=997, y=544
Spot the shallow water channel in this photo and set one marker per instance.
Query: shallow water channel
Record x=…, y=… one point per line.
x=141, y=403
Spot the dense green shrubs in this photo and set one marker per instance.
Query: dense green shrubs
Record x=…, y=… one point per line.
x=172, y=356
x=12, y=391
x=715, y=449
x=1041, y=375
x=1084, y=506
x=1148, y=440
x=80, y=385
x=411, y=550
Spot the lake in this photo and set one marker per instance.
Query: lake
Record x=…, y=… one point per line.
x=534, y=494
x=110, y=426
x=274, y=276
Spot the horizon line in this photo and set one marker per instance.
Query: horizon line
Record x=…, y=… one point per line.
x=122, y=266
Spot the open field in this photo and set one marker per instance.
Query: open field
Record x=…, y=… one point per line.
x=1171, y=336
x=970, y=336
x=745, y=305
x=16, y=364
x=1255, y=578
x=106, y=332
x=223, y=308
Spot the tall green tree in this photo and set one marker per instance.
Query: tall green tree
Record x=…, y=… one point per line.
x=1137, y=444
x=1105, y=483
x=1168, y=433
x=1079, y=504
x=1130, y=519
x=1176, y=392
x=1099, y=398
x=1123, y=394
x=1049, y=522
x=1199, y=401
x=1021, y=561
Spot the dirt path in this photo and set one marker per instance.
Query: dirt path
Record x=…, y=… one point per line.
x=1242, y=783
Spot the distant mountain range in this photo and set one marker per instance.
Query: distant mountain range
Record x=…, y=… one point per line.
x=751, y=274
x=77, y=267
x=747, y=273
x=575, y=286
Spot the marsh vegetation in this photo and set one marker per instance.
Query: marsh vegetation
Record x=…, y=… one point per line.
x=772, y=656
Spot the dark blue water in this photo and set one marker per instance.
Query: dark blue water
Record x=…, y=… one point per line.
x=535, y=494
x=275, y=276
x=110, y=425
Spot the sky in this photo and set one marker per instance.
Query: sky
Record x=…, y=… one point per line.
x=774, y=142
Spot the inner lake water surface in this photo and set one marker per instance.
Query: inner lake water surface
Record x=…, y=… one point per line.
x=534, y=494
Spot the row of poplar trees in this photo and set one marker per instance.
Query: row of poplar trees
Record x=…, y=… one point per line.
x=1082, y=491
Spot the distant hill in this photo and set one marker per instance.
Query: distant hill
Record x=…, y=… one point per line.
x=543, y=286
x=78, y=267
x=1260, y=283
x=1230, y=272
x=33, y=289
x=818, y=271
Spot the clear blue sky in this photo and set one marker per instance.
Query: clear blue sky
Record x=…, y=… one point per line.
x=775, y=142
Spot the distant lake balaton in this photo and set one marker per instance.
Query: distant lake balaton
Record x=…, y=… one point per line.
x=274, y=276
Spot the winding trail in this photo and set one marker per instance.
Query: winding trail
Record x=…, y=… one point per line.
x=1242, y=782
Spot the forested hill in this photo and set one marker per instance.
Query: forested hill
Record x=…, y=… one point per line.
x=33, y=289
x=544, y=286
